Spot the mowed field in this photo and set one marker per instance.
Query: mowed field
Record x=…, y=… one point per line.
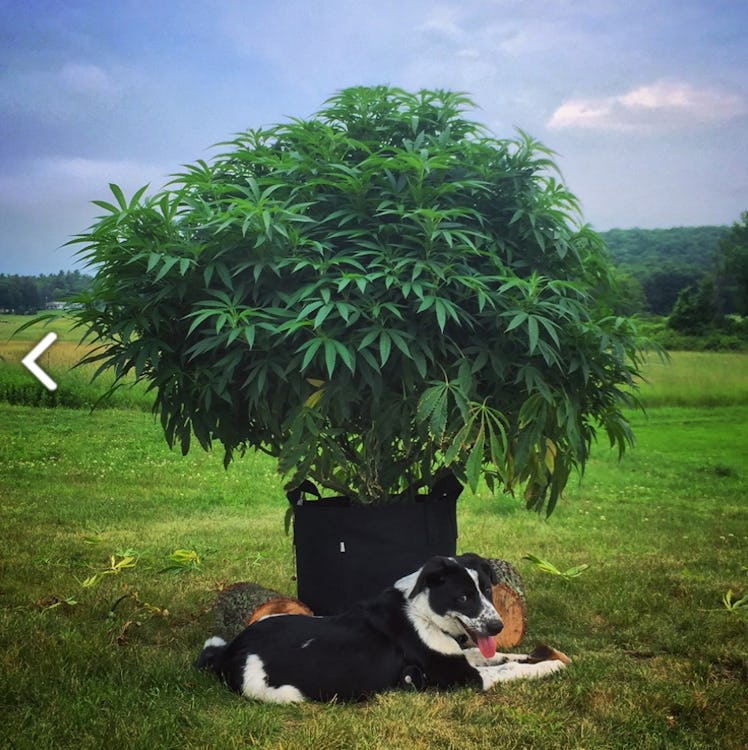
x=114, y=547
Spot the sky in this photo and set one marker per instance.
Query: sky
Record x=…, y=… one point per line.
x=645, y=103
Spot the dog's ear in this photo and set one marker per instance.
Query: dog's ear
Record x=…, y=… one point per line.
x=476, y=562
x=432, y=574
x=490, y=572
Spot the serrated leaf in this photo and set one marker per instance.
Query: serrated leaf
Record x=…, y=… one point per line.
x=313, y=399
x=543, y=565
x=575, y=571
x=331, y=354
x=428, y=401
x=432, y=408
x=119, y=195
x=549, y=457
x=166, y=267
x=345, y=355
x=106, y=206
x=137, y=196
x=310, y=349
x=401, y=343
x=426, y=303
x=369, y=338
x=516, y=321
x=532, y=331
x=153, y=260
x=224, y=275
x=322, y=314
x=385, y=346
x=441, y=314
x=474, y=462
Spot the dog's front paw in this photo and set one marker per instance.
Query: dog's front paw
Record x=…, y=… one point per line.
x=543, y=661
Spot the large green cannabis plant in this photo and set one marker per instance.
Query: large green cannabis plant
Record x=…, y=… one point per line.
x=376, y=296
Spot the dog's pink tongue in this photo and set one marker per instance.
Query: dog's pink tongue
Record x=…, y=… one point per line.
x=487, y=646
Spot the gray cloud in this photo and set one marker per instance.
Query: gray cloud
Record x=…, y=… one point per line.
x=654, y=107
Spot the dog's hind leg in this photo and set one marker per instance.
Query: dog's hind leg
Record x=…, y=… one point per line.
x=211, y=654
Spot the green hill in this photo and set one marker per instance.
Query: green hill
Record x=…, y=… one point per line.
x=664, y=261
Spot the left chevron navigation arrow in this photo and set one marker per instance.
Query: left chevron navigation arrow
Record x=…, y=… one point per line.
x=29, y=361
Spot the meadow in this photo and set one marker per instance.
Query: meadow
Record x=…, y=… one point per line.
x=114, y=547
x=60, y=361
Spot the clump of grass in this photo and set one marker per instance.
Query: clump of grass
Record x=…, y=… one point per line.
x=735, y=606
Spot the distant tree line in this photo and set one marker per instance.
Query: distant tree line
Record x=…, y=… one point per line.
x=25, y=295
x=654, y=265
x=718, y=299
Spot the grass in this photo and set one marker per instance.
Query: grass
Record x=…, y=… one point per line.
x=658, y=659
x=75, y=390
x=696, y=379
x=99, y=627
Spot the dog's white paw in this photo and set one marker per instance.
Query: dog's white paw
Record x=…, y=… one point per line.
x=541, y=662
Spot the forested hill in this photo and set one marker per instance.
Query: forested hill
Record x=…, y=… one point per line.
x=650, y=248
x=663, y=261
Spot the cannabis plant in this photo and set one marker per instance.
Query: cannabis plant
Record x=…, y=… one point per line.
x=377, y=296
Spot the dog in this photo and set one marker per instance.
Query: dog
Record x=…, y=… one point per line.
x=411, y=635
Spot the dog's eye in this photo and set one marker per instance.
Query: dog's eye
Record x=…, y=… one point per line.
x=462, y=598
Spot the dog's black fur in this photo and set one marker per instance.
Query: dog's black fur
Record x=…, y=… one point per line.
x=407, y=636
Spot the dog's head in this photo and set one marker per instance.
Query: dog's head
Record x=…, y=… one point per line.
x=454, y=594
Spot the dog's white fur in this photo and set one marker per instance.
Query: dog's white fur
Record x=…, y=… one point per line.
x=408, y=618
x=255, y=684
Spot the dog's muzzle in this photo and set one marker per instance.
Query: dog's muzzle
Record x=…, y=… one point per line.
x=483, y=634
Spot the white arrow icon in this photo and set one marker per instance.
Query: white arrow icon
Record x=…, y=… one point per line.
x=29, y=361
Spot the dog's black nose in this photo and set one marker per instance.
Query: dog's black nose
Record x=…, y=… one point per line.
x=494, y=627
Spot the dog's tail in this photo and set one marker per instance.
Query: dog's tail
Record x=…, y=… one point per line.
x=212, y=653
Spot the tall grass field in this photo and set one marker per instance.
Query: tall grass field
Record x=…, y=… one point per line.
x=114, y=549
x=60, y=361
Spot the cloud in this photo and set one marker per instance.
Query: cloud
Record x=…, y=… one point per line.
x=662, y=105
x=46, y=201
x=89, y=80
x=73, y=181
x=443, y=19
x=71, y=92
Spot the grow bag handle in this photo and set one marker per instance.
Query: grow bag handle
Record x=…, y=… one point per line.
x=447, y=487
x=295, y=495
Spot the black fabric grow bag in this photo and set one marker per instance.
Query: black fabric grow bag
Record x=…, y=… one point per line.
x=346, y=552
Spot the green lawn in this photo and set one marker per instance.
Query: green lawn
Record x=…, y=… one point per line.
x=99, y=624
x=658, y=660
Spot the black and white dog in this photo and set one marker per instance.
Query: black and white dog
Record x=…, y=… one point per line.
x=407, y=636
